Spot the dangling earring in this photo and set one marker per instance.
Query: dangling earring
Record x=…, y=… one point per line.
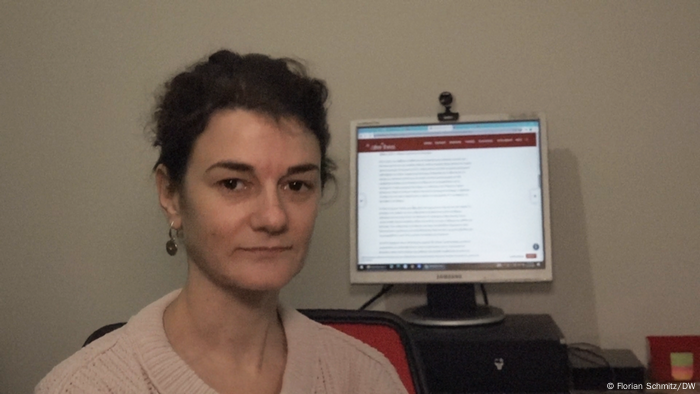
x=171, y=245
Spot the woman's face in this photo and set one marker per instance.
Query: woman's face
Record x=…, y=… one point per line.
x=249, y=199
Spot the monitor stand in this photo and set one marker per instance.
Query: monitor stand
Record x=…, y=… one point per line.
x=452, y=305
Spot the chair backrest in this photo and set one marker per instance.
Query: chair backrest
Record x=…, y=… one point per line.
x=383, y=331
x=102, y=331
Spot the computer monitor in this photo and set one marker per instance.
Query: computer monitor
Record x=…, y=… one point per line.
x=450, y=204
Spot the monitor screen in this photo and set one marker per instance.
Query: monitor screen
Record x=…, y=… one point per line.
x=450, y=202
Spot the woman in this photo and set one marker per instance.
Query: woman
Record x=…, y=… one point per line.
x=241, y=170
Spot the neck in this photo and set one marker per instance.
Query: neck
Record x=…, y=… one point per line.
x=236, y=326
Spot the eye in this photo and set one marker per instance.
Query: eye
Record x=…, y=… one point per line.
x=232, y=184
x=298, y=185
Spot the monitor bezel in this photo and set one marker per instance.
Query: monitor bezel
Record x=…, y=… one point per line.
x=544, y=274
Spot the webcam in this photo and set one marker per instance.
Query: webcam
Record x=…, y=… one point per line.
x=445, y=100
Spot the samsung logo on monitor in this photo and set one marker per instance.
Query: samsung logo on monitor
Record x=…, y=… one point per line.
x=449, y=276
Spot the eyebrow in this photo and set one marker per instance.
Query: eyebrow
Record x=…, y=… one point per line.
x=302, y=168
x=231, y=165
x=243, y=167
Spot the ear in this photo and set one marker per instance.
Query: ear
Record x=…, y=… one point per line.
x=169, y=197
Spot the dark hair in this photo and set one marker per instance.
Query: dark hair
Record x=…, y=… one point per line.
x=226, y=80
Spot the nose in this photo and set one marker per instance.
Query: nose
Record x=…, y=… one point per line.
x=270, y=215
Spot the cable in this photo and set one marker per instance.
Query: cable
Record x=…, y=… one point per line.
x=593, y=350
x=483, y=292
x=385, y=289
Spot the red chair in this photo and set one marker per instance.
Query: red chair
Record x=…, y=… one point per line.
x=383, y=331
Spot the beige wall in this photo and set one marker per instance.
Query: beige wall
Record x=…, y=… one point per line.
x=82, y=239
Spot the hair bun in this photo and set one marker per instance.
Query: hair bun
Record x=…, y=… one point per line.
x=225, y=58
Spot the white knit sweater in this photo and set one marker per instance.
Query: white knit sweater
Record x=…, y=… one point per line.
x=138, y=358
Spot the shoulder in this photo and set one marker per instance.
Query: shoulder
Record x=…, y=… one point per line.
x=333, y=341
x=302, y=330
x=118, y=361
x=344, y=363
x=103, y=364
x=367, y=369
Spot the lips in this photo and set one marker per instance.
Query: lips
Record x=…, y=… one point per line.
x=266, y=249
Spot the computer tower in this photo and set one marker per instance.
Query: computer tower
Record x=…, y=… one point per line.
x=524, y=353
